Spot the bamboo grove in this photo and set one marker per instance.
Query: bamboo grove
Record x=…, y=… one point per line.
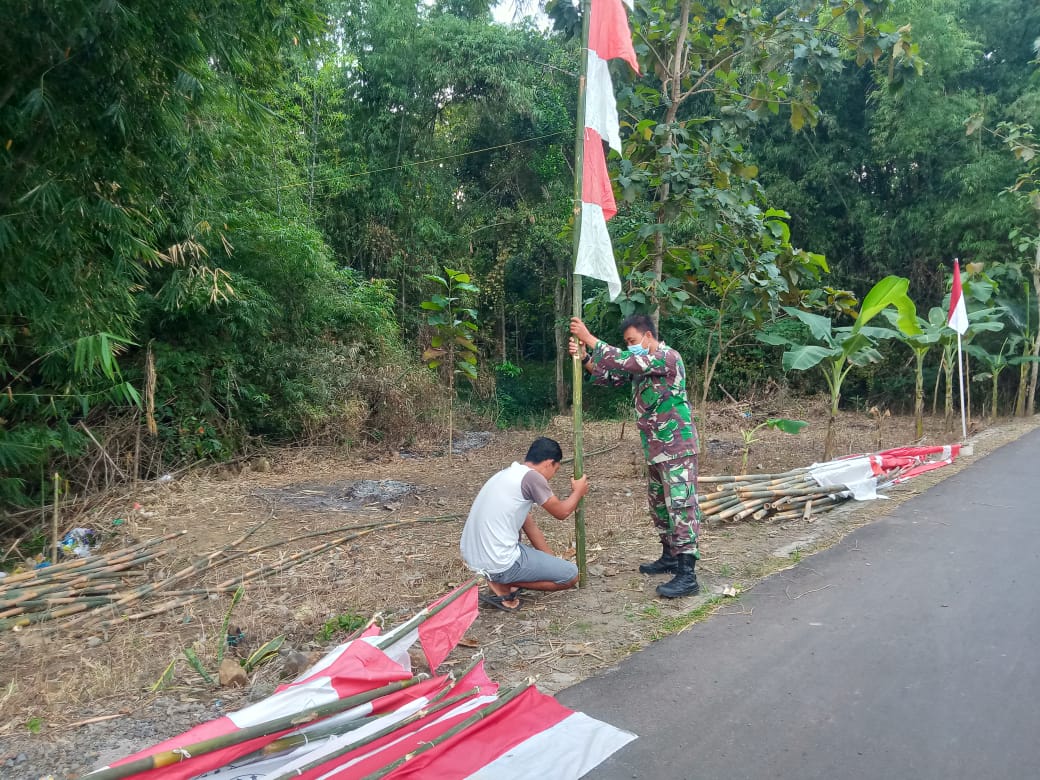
x=219, y=223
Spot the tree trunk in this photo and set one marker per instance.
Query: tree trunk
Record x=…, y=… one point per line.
x=1031, y=394
x=993, y=408
x=828, y=444
x=948, y=409
x=502, y=325
x=451, y=397
x=919, y=396
x=935, y=389
x=675, y=79
x=1023, y=381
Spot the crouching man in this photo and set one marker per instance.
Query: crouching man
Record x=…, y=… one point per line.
x=491, y=543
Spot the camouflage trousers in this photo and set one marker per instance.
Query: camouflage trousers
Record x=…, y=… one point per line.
x=672, y=491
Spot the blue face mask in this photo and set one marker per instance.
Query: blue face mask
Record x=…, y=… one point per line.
x=637, y=349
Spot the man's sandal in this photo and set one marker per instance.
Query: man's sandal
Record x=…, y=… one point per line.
x=498, y=602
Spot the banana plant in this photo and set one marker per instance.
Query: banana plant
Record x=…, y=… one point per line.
x=841, y=349
x=979, y=321
x=454, y=326
x=932, y=331
x=996, y=362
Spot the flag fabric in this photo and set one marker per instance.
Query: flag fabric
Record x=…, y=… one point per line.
x=958, y=317
x=861, y=476
x=528, y=735
x=355, y=668
x=440, y=633
x=609, y=38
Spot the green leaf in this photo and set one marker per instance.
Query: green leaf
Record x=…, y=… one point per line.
x=804, y=358
x=787, y=426
x=166, y=677
x=237, y=597
x=196, y=664
x=265, y=652
x=819, y=326
x=775, y=339
x=890, y=291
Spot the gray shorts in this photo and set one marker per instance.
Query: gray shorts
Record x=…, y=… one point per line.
x=535, y=566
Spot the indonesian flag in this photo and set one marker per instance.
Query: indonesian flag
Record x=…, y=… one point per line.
x=958, y=319
x=609, y=38
x=439, y=634
x=438, y=729
x=356, y=667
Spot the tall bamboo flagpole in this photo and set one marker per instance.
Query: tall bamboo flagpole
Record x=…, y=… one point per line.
x=579, y=167
x=960, y=372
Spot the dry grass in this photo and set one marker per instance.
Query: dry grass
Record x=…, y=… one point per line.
x=61, y=676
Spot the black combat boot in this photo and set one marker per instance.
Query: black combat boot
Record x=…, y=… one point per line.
x=684, y=583
x=666, y=564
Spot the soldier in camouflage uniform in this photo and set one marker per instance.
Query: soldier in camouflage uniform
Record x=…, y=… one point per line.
x=665, y=421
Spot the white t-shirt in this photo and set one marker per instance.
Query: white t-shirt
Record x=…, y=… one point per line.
x=491, y=537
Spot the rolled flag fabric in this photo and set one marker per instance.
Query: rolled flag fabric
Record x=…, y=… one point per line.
x=609, y=38
x=958, y=317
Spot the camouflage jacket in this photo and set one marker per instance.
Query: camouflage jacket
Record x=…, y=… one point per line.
x=663, y=412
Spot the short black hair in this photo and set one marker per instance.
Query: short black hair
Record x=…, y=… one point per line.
x=543, y=449
x=641, y=322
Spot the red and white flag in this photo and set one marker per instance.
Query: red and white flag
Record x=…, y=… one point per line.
x=354, y=668
x=958, y=318
x=441, y=632
x=529, y=736
x=609, y=38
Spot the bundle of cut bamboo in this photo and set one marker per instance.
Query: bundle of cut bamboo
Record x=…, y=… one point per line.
x=788, y=496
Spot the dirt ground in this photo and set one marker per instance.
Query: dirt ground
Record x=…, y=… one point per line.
x=53, y=679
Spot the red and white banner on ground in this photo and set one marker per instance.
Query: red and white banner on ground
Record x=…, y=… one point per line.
x=609, y=38
x=529, y=736
x=862, y=475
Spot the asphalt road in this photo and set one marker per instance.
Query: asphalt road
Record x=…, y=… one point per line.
x=909, y=650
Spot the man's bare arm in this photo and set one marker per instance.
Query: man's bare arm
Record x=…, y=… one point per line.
x=535, y=535
x=561, y=509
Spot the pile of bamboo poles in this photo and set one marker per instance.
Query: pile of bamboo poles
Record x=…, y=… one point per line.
x=99, y=591
x=72, y=586
x=792, y=495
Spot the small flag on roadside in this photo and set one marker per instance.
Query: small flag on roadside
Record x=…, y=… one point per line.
x=958, y=317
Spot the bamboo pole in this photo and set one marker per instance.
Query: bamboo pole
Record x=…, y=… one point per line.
x=175, y=756
x=452, y=732
x=368, y=739
x=576, y=293
x=84, y=563
x=54, y=519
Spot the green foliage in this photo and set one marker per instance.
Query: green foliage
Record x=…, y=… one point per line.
x=263, y=654
x=348, y=621
x=782, y=424
x=841, y=349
